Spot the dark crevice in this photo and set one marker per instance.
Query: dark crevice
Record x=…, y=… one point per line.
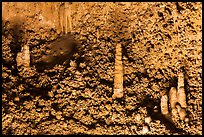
x=106, y=82
x=55, y=106
x=126, y=54
x=173, y=82
x=179, y=8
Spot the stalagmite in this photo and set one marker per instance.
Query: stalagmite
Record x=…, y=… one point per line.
x=173, y=100
x=181, y=96
x=118, y=80
x=164, y=105
x=23, y=57
x=173, y=97
x=181, y=112
x=23, y=62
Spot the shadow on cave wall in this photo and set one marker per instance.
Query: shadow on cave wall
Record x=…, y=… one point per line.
x=15, y=29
